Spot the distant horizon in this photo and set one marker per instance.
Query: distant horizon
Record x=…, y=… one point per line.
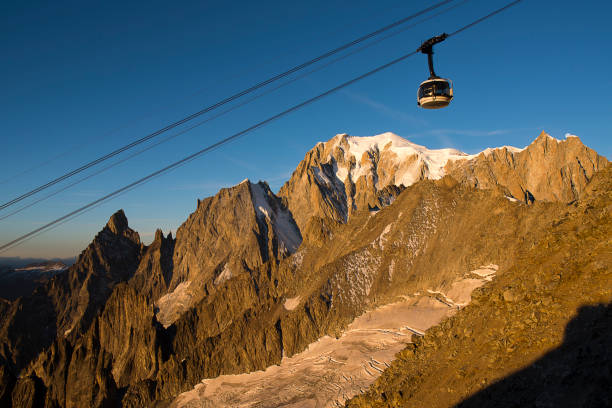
x=17, y=261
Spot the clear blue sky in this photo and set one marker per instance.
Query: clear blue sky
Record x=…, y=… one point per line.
x=82, y=78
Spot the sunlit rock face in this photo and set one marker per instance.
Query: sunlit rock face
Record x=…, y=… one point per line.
x=230, y=234
x=548, y=169
x=538, y=334
x=348, y=173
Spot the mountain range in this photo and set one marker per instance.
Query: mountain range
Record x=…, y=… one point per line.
x=368, y=233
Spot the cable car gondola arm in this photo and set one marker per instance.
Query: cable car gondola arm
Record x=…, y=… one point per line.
x=427, y=48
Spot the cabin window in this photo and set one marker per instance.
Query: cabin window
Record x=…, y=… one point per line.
x=426, y=90
x=442, y=89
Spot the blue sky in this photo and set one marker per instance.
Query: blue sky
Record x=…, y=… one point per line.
x=80, y=79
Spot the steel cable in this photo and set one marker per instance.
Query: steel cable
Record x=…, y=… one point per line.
x=219, y=104
x=268, y=91
x=233, y=137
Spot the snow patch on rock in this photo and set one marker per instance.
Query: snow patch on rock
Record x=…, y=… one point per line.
x=487, y=272
x=292, y=303
x=179, y=299
x=382, y=239
x=225, y=274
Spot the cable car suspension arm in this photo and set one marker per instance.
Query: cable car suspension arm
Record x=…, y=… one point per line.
x=427, y=48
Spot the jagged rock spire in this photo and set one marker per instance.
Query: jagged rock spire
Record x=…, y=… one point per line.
x=118, y=222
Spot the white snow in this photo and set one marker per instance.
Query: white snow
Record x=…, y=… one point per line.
x=179, y=298
x=514, y=200
x=402, y=152
x=445, y=299
x=568, y=135
x=382, y=240
x=458, y=294
x=47, y=268
x=489, y=150
x=292, y=303
x=330, y=370
x=412, y=161
x=341, y=173
x=359, y=269
x=225, y=274
x=286, y=231
x=391, y=269
x=434, y=159
x=486, y=271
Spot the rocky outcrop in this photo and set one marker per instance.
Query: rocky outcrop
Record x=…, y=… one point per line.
x=154, y=273
x=67, y=304
x=228, y=235
x=118, y=349
x=548, y=169
x=111, y=258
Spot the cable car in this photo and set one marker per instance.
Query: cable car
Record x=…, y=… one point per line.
x=435, y=92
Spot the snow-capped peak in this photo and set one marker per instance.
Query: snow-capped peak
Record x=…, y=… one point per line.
x=411, y=160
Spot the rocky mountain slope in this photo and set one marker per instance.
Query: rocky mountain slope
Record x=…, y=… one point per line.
x=67, y=304
x=238, y=230
x=540, y=334
x=252, y=278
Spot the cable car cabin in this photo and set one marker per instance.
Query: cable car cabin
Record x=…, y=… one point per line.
x=435, y=93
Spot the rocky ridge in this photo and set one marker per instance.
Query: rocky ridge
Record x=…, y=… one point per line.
x=548, y=169
x=348, y=173
x=68, y=303
x=237, y=289
x=230, y=234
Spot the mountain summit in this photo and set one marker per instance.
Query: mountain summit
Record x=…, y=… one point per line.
x=349, y=173
x=232, y=233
